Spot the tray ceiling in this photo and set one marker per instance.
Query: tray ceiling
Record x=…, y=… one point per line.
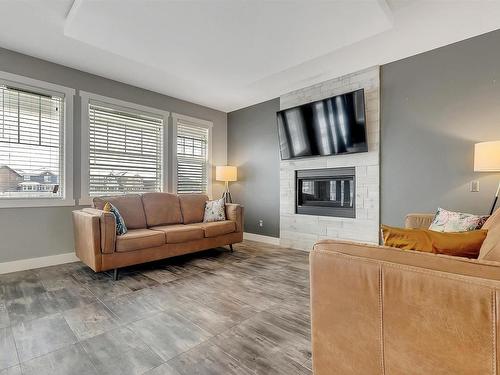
x=230, y=54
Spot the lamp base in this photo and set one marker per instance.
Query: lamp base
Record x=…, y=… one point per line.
x=495, y=200
x=227, y=197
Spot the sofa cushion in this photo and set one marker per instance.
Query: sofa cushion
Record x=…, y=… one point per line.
x=137, y=239
x=130, y=207
x=180, y=233
x=192, y=207
x=218, y=228
x=162, y=209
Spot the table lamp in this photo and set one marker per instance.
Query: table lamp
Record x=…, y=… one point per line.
x=487, y=159
x=227, y=174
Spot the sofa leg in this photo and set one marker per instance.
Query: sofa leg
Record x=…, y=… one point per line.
x=231, y=247
x=115, y=274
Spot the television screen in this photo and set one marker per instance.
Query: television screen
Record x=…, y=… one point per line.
x=330, y=126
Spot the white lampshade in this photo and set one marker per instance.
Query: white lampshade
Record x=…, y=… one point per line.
x=487, y=157
x=226, y=173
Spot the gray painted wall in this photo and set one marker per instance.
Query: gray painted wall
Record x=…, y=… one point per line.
x=36, y=232
x=434, y=107
x=253, y=147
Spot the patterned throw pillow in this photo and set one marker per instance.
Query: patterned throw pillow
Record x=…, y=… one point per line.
x=121, y=228
x=215, y=211
x=449, y=221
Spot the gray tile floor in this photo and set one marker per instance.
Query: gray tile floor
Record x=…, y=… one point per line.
x=213, y=312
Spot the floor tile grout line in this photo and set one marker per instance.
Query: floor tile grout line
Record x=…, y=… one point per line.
x=150, y=348
x=89, y=357
x=79, y=341
x=56, y=350
x=252, y=257
x=161, y=310
x=44, y=292
x=49, y=352
x=15, y=345
x=11, y=367
x=229, y=354
x=212, y=336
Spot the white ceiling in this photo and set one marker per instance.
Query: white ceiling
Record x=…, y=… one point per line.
x=229, y=54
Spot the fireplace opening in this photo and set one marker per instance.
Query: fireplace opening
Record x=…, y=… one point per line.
x=326, y=192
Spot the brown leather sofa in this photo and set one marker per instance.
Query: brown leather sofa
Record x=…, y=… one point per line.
x=160, y=225
x=380, y=310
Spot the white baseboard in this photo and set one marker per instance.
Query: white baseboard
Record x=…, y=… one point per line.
x=28, y=264
x=261, y=238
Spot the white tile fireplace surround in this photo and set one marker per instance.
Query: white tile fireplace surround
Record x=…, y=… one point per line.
x=302, y=231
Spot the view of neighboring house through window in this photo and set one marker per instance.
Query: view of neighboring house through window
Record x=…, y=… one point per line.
x=125, y=150
x=31, y=144
x=193, y=143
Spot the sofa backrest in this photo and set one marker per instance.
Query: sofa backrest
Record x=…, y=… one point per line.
x=490, y=250
x=492, y=220
x=192, y=207
x=130, y=207
x=162, y=209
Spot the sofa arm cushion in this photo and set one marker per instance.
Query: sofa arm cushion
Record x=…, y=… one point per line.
x=234, y=212
x=108, y=229
x=418, y=221
x=87, y=239
x=429, y=261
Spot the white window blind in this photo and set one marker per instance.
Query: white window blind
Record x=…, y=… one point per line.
x=31, y=144
x=125, y=151
x=192, y=158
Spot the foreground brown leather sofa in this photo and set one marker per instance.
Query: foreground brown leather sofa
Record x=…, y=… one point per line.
x=379, y=310
x=160, y=225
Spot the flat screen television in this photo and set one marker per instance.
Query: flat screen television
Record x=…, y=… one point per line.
x=332, y=126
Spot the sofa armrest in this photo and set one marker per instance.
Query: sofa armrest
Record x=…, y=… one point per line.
x=234, y=212
x=107, y=229
x=376, y=309
x=87, y=238
x=417, y=221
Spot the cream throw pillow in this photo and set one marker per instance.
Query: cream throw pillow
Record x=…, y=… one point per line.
x=450, y=221
x=215, y=211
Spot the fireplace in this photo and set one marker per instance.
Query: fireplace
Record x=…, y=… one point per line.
x=326, y=192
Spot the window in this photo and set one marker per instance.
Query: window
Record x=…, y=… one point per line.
x=125, y=151
x=124, y=148
x=34, y=143
x=193, y=154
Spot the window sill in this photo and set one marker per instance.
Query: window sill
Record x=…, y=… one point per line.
x=34, y=202
x=85, y=201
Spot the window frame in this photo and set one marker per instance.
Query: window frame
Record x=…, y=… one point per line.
x=121, y=105
x=195, y=122
x=66, y=159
